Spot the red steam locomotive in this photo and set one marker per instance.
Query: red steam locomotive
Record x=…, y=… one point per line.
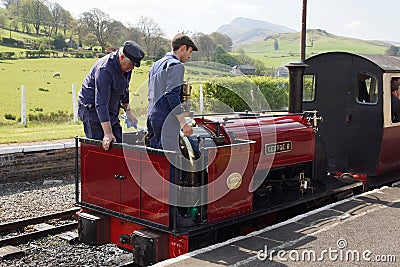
x=251, y=165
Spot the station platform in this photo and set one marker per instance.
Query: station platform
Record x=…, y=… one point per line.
x=360, y=231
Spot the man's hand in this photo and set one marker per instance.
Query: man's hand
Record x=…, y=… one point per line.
x=107, y=139
x=108, y=135
x=187, y=130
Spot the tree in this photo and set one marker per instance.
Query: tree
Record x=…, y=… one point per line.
x=392, y=51
x=260, y=67
x=206, y=46
x=66, y=21
x=220, y=55
x=120, y=34
x=276, y=45
x=244, y=59
x=7, y=3
x=3, y=20
x=38, y=14
x=59, y=42
x=14, y=11
x=99, y=25
x=223, y=40
x=151, y=33
x=56, y=15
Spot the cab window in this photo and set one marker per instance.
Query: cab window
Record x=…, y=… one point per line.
x=309, y=87
x=395, y=103
x=367, y=92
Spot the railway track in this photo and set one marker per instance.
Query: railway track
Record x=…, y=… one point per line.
x=46, y=230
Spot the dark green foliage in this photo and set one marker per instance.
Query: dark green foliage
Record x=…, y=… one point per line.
x=7, y=55
x=59, y=116
x=9, y=117
x=221, y=56
x=243, y=93
x=275, y=91
x=40, y=53
x=59, y=42
x=87, y=54
x=276, y=45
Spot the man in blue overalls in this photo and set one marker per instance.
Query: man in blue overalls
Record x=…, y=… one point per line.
x=165, y=115
x=106, y=89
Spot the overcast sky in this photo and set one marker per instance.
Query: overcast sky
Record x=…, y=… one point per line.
x=365, y=19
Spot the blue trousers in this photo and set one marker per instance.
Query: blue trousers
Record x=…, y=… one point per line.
x=92, y=125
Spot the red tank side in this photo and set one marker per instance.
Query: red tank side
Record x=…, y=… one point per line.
x=280, y=141
x=117, y=180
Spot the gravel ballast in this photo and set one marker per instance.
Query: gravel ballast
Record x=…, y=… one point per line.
x=29, y=199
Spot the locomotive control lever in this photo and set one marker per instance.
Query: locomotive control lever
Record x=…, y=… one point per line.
x=313, y=118
x=218, y=139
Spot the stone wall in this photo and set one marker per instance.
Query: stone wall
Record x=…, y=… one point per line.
x=36, y=162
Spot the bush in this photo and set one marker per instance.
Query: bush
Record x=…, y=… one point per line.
x=7, y=55
x=242, y=93
x=9, y=117
x=83, y=54
x=59, y=116
x=100, y=55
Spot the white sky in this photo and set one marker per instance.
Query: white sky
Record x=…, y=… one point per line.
x=364, y=19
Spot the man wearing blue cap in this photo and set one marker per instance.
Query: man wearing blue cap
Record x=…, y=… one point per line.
x=105, y=90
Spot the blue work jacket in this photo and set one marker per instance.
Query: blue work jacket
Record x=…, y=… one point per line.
x=105, y=88
x=165, y=82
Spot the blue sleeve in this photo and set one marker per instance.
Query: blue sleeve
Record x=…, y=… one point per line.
x=174, y=83
x=103, y=85
x=125, y=96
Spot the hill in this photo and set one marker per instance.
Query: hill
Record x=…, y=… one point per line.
x=318, y=41
x=245, y=30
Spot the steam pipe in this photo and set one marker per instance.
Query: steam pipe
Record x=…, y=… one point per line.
x=296, y=82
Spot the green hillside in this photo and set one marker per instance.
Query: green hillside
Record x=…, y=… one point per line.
x=289, y=47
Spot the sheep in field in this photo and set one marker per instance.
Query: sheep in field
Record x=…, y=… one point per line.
x=57, y=74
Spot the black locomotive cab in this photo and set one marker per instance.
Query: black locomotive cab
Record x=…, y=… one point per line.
x=352, y=93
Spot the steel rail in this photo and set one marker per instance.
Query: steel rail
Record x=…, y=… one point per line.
x=35, y=220
x=16, y=240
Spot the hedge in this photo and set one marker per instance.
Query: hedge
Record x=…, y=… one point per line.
x=254, y=93
x=7, y=55
x=243, y=93
x=40, y=53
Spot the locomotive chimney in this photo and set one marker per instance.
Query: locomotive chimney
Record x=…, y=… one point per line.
x=296, y=81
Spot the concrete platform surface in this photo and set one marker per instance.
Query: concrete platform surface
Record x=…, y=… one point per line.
x=360, y=231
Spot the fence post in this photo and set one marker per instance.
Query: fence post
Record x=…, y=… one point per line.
x=74, y=103
x=201, y=99
x=23, y=105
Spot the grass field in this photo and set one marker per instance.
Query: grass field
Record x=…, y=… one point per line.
x=45, y=94
x=38, y=132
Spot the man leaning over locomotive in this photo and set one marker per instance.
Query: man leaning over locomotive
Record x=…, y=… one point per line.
x=105, y=90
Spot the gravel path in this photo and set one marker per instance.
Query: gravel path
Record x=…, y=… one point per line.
x=28, y=199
